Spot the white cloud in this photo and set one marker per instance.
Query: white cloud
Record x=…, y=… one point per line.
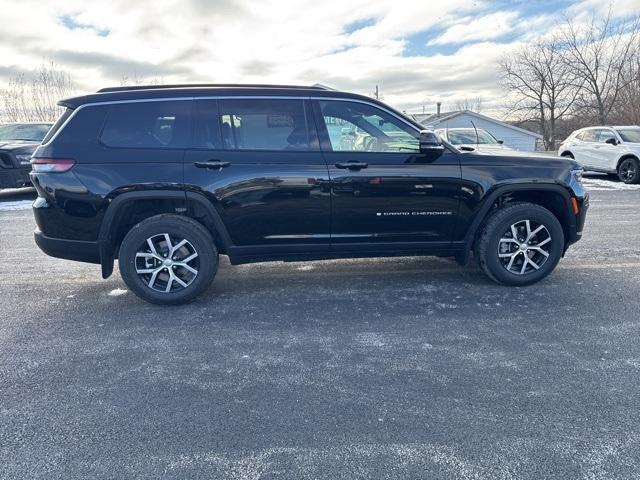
x=270, y=41
x=470, y=29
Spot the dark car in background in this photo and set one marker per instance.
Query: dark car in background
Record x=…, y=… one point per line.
x=17, y=143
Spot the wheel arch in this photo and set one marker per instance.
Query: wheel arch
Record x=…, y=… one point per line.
x=626, y=156
x=554, y=198
x=129, y=208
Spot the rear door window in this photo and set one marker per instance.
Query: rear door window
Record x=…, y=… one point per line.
x=151, y=125
x=263, y=124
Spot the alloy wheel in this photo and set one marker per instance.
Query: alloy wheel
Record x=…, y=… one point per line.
x=167, y=264
x=525, y=247
x=627, y=170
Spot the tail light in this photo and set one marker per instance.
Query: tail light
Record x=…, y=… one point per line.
x=51, y=165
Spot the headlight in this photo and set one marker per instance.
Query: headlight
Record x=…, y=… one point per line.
x=577, y=174
x=24, y=159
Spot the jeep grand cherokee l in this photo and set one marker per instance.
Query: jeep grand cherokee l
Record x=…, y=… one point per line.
x=165, y=179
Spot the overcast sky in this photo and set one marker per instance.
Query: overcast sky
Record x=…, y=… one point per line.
x=417, y=51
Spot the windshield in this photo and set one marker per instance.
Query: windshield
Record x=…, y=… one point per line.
x=467, y=136
x=25, y=131
x=630, y=135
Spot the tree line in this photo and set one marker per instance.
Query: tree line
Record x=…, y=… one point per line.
x=34, y=96
x=584, y=74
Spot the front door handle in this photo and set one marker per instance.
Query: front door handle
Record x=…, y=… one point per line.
x=352, y=165
x=214, y=164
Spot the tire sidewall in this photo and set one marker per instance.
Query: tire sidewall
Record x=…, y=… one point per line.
x=636, y=177
x=201, y=241
x=541, y=216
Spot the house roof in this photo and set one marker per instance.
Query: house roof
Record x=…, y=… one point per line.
x=432, y=120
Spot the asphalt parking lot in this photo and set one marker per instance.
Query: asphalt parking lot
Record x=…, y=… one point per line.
x=381, y=368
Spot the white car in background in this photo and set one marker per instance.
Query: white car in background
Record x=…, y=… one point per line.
x=612, y=150
x=471, y=138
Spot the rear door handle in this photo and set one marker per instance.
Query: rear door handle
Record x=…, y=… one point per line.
x=352, y=165
x=213, y=164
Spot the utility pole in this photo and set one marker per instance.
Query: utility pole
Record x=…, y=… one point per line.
x=376, y=93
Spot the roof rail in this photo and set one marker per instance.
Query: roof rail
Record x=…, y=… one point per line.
x=317, y=86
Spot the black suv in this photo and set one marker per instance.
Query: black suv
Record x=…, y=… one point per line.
x=17, y=143
x=167, y=178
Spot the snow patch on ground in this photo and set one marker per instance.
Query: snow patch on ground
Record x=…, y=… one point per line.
x=17, y=205
x=599, y=184
x=116, y=292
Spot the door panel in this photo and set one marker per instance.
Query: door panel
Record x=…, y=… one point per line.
x=394, y=199
x=587, y=150
x=606, y=154
x=383, y=189
x=266, y=197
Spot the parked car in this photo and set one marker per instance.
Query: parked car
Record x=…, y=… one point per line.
x=165, y=179
x=17, y=143
x=472, y=139
x=612, y=150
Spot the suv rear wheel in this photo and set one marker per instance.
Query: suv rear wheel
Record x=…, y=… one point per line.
x=629, y=170
x=520, y=244
x=168, y=259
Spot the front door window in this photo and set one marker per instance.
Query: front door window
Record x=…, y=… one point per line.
x=358, y=127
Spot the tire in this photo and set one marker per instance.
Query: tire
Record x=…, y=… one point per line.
x=145, y=264
x=495, y=240
x=629, y=170
x=568, y=155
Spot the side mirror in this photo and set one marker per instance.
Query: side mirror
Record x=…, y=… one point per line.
x=611, y=141
x=500, y=142
x=430, y=142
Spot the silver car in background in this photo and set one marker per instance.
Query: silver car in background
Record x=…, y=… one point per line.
x=472, y=139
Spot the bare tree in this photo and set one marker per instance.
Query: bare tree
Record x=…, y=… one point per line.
x=598, y=54
x=543, y=85
x=472, y=104
x=34, y=97
x=627, y=110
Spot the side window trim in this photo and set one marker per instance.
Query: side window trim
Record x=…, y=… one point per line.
x=321, y=127
x=312, y=128
x=198, y=111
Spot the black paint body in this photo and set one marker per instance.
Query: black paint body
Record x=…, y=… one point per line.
x=268, y=205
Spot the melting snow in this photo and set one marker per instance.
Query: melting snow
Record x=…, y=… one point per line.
x=598, y=184
x=18, y=205
x=116, y=292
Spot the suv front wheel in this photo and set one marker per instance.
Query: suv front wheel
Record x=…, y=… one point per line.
x=520, y=244
x=168, y=259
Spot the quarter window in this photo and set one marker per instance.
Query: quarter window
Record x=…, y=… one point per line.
x=147, y=125
x=588, y=136
x=248, y=124
x=359, y=127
